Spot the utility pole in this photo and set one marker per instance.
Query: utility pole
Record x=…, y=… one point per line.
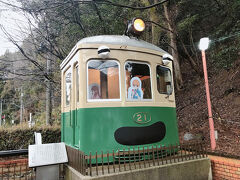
x=21, y=106
x=1, y=112
x=30, y=120
x=49, y=92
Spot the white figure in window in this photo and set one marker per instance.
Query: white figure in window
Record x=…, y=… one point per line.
x=68, y=92
x=135, y=89
x=94, y=91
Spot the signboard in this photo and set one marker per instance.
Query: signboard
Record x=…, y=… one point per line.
x=47, y=154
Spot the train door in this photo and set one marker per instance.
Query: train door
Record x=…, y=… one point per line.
x=67, y=115
x=76, y=101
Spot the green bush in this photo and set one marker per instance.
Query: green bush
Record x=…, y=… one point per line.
x=20, y=137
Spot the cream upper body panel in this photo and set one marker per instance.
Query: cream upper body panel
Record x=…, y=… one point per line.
x=120, y=51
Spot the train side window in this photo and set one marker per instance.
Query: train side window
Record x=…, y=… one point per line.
x=68, y=84
x=164, y=80
x=103, y=80
x=138, y=81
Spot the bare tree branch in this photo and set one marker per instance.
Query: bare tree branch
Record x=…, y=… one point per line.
x=159, y=26
x=24, y=54
x=99, y=16
x=126, y=6
x=11, y=61
x=52, y=5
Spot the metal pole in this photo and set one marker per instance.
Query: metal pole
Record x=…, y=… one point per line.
x=48, y=93
x=211, y=124
x=1, y=112
x=21, y=107
x=30, y=120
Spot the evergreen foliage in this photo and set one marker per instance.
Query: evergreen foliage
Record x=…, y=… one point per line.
x=20, y=137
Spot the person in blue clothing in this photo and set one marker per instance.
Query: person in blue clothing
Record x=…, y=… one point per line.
x=135, y=90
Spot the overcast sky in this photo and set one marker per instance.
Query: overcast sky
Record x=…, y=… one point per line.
x=12, y=22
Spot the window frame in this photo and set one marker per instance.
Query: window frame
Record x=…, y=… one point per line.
x=119, y=80
x=77, y=81
x=157, y=80
x=150, y=71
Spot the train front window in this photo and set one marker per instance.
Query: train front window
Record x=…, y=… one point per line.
x=138, y=81
x=164, y=80
x=103, y=80
x=68, y=84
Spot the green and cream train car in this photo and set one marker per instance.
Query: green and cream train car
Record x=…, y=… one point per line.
x=117, y=93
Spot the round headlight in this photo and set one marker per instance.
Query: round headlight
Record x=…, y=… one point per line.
x=139, y=25
x=135, y=27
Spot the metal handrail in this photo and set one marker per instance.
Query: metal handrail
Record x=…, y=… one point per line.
x=14, y=152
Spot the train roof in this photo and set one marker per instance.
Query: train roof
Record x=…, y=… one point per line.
x=119, y=40
x=114, y=40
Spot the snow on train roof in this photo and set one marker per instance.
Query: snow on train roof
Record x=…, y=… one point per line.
x=119, y=40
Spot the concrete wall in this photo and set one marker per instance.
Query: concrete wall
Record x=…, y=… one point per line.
x=189, y=170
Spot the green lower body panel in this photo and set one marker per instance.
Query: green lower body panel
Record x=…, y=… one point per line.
x=117, y=128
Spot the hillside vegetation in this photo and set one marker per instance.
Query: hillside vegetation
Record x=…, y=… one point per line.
x=225, y=95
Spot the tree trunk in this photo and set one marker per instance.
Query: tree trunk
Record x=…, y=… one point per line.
x=191, y=60
x=173, y=44
x=155, y=17
x=156, y=31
